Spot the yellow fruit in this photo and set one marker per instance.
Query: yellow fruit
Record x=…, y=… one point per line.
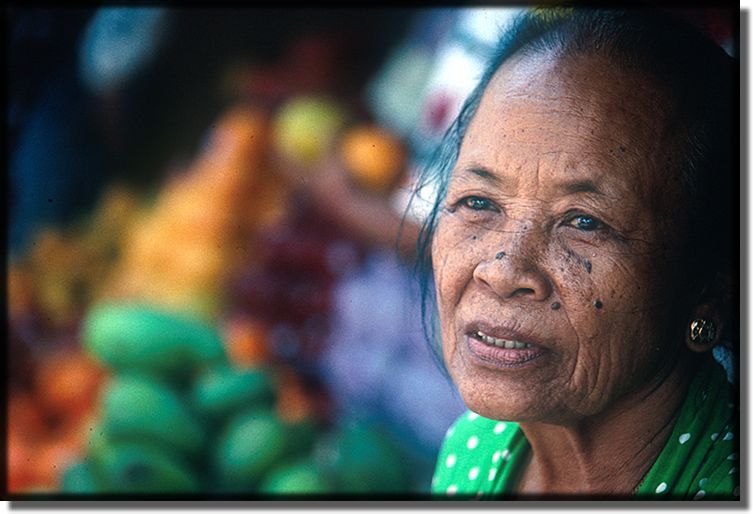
x=373, y=156
x=236, y=145
x=305, y=127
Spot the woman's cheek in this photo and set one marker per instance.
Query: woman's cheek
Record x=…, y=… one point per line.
x=602, y=315
x=621, y=283
x=575, y=275
x=456, y=250
x=603, y=274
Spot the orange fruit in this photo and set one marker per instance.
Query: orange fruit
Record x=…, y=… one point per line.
x=246, y=343
x=20, y=464
x=51, y=458
x=26, y=418
x=373, y=156
x=68, y=383
x=293, y=402
x=76, y=432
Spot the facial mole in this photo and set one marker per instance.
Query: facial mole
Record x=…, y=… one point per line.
x=555, y=306
x=598, y=304
x=622, y=149
x=499, y=255
x=473, y=238
x=587, y=265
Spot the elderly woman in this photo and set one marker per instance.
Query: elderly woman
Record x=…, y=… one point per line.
x=582, y=247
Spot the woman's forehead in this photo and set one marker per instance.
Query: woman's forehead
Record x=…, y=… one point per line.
x=585, y=86
x=577, y=115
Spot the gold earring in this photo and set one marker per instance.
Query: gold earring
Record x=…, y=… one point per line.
x=702, y=331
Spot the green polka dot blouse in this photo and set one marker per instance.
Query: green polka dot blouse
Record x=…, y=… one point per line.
x=483, y=458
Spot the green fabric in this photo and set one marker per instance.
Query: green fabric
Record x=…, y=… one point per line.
x=483, y=458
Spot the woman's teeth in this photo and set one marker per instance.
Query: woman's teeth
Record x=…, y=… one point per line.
x=501, y=343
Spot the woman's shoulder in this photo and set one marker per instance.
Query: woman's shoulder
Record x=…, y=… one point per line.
x=701, y=457
x=472, y=452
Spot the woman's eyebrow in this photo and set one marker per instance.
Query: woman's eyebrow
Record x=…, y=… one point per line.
x=483, y=173
x=489, y=176
x=579, y=186
x=567, y=187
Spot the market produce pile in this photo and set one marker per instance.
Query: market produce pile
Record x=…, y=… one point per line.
x=165, y=343
x=178, y=417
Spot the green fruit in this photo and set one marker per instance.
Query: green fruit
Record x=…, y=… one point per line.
x=128, y=337
x=78, y=478
x=139, y=406
x=302, y=435
x=142, y=468
x=302, y=477
x=251, y=445
x=360, y=458
x=223, y=390
x=306, y=126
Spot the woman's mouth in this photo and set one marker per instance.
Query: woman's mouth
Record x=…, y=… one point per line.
x=501, y=343
x=501, y=353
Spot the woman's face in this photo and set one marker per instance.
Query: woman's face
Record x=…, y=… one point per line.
x=555, y=253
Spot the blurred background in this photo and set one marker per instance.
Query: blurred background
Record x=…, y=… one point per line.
x=211, y=245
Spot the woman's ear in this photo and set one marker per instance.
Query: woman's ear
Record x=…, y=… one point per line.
x=704, y=328
x=711, y=314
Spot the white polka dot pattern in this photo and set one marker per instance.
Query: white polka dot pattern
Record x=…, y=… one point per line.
x=478, y=452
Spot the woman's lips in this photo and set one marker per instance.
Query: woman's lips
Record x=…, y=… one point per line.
x=500, y=343
x=501, y=348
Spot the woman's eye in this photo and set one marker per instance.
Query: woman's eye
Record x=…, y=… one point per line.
x=585, y=222
x=478, y=203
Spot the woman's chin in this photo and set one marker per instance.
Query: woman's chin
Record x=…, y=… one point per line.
x=494, y=401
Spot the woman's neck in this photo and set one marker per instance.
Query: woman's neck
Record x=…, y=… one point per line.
x=605, y=455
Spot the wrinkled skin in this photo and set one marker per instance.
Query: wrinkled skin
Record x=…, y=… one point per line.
x=576, y=181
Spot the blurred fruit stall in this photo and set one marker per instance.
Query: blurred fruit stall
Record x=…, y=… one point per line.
x=210, y=329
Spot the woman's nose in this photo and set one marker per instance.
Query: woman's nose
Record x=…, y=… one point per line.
x=513, y=274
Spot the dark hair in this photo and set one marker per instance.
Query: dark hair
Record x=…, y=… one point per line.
x=702, y=79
